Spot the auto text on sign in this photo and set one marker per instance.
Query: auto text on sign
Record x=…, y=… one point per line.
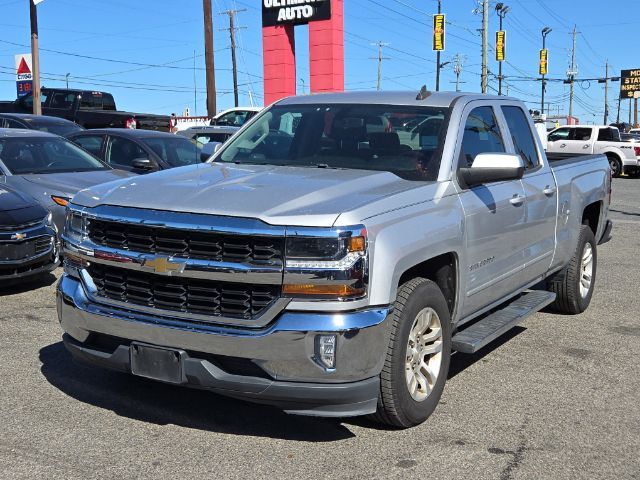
x=282, y=12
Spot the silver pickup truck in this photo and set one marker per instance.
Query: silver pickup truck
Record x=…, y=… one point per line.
x=334, y=253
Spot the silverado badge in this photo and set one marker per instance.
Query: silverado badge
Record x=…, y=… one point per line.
x=163, y=265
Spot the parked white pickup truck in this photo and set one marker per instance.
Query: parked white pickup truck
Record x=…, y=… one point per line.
x=624, y=157
x=328, y=266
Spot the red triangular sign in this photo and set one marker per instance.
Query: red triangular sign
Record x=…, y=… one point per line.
x=23, y=67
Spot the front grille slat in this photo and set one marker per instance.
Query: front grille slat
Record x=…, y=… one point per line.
x=16, y=251
x=203, y=297
x=212, y=246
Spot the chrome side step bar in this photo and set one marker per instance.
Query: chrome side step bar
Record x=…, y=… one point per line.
x=487, y=329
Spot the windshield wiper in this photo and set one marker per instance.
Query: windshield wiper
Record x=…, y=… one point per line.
x=324, y=165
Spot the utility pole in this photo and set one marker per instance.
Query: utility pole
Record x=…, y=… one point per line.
x=232, y=33
x=573, y=72
x=485, y=45
x=606, y=93
x=35, y=57
x=380, y=58
x=545, y=31
x=195, y=87
x=635, y=115
x=501, y=10
x=208, y=57
x=618, y=117
x=438, y=65
x=457, y=69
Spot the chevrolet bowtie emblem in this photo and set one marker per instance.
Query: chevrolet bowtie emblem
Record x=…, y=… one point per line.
x=164, y=265
x=18, y=236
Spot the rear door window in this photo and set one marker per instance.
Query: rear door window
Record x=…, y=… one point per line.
x=91, y=143
x=522, y=136
x=122, y=152
x=91, y=101
x=481, y=135
x=580, y=134
x=62, y=100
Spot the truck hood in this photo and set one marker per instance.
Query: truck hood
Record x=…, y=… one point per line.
x=72, y=182
x=275, y=195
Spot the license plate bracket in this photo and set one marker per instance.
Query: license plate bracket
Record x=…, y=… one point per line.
x=157, y=363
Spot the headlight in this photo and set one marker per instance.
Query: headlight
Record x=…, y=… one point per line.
x=75, y=228
x=326, y=263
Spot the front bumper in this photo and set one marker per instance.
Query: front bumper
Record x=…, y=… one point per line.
x=283, y=352
x=18, y=271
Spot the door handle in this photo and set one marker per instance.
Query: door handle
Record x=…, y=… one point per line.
x=517, y=200
x=549, y=190
x=585, y=146
x=563, y=145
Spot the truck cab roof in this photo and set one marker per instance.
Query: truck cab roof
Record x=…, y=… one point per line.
x=405, y=98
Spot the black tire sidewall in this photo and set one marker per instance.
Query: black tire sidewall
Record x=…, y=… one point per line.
x=425, y=295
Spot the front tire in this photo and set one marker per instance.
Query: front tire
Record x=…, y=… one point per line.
x=418, y=355
x=574, y=284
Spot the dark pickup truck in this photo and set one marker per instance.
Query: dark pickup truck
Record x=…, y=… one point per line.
x=89, y=109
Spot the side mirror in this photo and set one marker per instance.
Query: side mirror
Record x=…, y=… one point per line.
x=142, y=164
x=492, y=167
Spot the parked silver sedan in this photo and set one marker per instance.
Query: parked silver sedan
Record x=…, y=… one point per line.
x=49, y=168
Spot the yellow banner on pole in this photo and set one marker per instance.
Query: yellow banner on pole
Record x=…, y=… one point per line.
x=439, y=27
x=544, y=62
x=501, y=45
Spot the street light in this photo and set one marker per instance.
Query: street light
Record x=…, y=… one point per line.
x=66, y=77
x=545, y=31
x=501, y=10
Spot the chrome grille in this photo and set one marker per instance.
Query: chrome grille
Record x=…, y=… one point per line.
x=203, y=297
x=188, y=244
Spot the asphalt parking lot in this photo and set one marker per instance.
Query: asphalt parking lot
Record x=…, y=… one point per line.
x=556, y=398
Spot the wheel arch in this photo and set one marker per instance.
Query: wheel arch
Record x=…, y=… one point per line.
x=443, y=271
x=591, y=216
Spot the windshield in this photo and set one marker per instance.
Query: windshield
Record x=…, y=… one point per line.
x=57, y=128
x=403, y=140
x=24, y=155
x=177, y=151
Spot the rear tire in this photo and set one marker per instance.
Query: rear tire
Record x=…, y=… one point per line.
x=574, y=284
x=418, y=355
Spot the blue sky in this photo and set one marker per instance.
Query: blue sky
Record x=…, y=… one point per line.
x=124, y=38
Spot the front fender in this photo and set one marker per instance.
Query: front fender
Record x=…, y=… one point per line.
x=405, y=238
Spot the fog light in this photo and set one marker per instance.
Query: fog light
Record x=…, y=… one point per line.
x=326, y=350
